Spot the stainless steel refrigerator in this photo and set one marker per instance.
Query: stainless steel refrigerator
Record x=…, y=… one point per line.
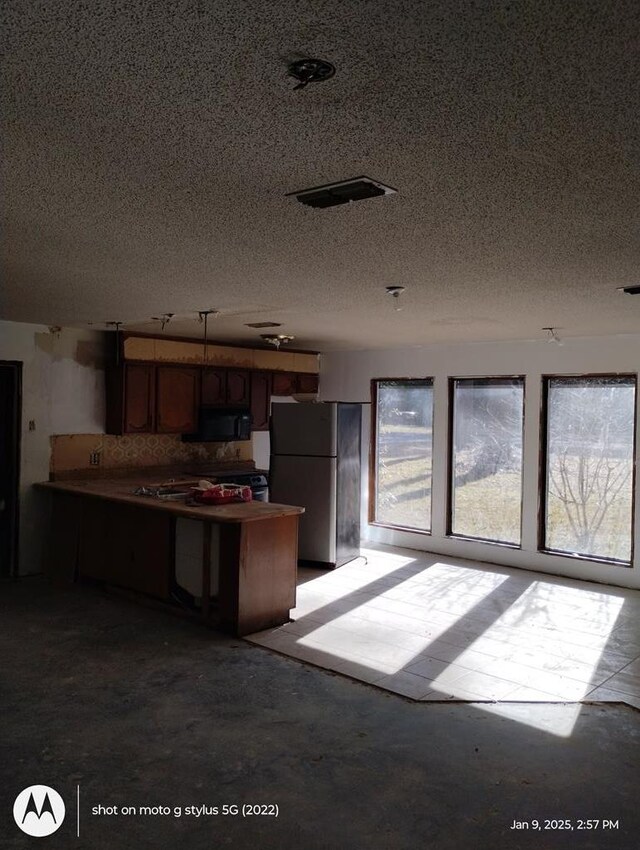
x=315, y=463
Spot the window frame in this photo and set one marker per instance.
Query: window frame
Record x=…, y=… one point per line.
x=488, y=380
x=545, y=379
x=373, y=457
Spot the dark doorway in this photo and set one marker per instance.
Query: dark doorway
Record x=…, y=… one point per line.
x=10, y=417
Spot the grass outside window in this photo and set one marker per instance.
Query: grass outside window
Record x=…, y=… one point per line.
x=402, y=458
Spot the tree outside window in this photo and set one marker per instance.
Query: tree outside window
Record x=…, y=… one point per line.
x=590, y=435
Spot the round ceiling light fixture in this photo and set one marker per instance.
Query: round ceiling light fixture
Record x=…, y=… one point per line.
x=310, y=71
x=277, y=339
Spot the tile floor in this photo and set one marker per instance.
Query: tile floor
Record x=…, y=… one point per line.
x=433, y=628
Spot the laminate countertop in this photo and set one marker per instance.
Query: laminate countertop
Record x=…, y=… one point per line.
x=121, y=490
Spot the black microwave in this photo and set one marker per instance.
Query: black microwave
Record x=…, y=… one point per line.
x=221, y=425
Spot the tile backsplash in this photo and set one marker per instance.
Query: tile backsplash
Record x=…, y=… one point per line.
x=95, y=452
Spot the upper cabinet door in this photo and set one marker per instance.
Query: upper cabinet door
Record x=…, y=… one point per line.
x=238, y=387
x=284, y=383
x=139, y=397
x=214, y=386
x=306, y=383
x=260, y=400
x=177, y=400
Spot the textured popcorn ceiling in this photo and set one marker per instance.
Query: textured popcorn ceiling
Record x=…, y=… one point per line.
x=148, y=147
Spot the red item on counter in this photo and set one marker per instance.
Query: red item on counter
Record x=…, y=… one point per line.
x=220, y=494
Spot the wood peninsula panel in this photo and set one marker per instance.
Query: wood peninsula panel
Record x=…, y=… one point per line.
x=103, y=533
x=261, y=590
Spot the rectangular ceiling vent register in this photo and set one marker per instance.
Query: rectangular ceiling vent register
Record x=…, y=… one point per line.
x=334, y=194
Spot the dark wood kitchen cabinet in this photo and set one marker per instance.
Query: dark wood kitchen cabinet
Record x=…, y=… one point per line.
x=226, y=387
x=290, y=383
x=260, y=400
x=131, y=399
x=214, y=386
x=125, y=546
x=177, y=399
x=306, y=383
x=238, y=387
x=284, y=383
x=148, y=398
x=102, y=532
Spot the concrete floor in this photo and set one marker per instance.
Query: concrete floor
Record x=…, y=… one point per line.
x=141, y=708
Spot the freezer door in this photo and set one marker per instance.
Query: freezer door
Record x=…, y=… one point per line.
x=309, y=482
x=348, y=485
x=305, y=428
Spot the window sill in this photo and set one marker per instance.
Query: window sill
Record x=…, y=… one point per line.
x=573, y=556
x=426, y=532
x=499, y=543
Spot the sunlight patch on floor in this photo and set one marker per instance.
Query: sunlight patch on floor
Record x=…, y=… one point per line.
x=441, y=629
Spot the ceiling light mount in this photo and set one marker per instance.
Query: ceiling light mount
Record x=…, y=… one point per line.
x=277, y=339
x=395, y=292
x=310, y=71
x=163, y=318
x=203, y=315
x=553, y=336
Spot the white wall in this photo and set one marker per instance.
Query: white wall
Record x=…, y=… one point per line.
x=346, y=376
x=260, y=448
x=261, y=441
x=62, y=393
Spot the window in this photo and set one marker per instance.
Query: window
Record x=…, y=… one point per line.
x=589, y=454
x=486, y=458
x=403, y=423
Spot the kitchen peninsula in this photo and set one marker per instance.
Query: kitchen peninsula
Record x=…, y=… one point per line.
x=101, y=530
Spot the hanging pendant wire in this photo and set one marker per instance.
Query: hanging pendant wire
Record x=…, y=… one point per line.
x=204, y=317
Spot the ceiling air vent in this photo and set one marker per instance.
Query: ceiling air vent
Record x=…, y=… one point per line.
x=263, y=325
x=334, y=194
